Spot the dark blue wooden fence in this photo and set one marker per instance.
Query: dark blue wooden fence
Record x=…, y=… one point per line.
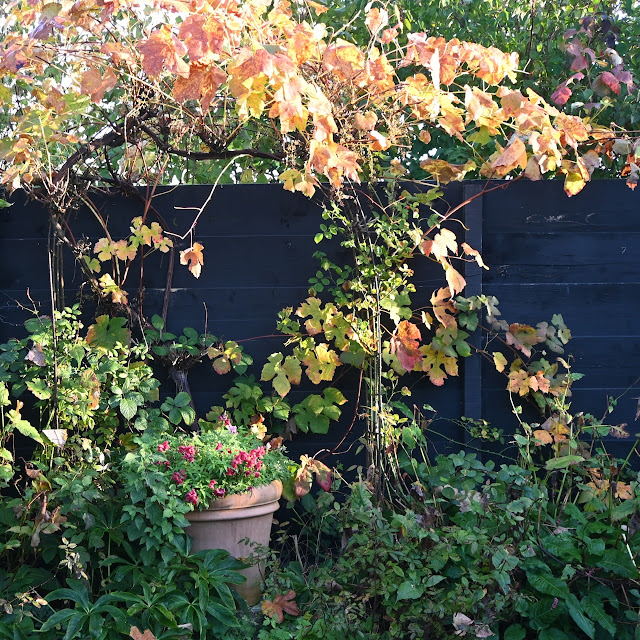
x=547, y=254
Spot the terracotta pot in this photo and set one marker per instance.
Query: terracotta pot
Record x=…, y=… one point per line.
x=230, y=520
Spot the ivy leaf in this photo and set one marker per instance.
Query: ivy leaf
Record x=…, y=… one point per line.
x=283, y=374
x=281, y=604
x=194, y=258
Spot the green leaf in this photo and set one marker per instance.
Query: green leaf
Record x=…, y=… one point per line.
x=577, y=613
x=618, y=562
x=546, y=583
x=107, y=333
x=409, y=591
x=594, y=608
x=157, y=322
x=552, y=634
x=128, y=408
x=24, y=427
x=514, y=632
x=4, y=204
x=563, y=462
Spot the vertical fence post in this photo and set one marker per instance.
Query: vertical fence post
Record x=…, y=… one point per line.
x=473, y=275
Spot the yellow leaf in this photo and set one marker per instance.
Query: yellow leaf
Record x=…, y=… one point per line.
x=194, y=258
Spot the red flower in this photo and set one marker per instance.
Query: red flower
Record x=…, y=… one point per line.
x=179, y=476
x=212, y=484
x=188, y=452
x=164, y=446
x=219, y=492
x=192, y=497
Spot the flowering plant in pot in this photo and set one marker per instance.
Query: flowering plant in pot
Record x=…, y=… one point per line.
x=220, y=462
x=225, y=479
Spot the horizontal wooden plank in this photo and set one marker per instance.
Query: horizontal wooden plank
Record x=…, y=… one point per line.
x=561, y=257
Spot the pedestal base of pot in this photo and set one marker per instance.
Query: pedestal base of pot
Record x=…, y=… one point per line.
x=231, y=520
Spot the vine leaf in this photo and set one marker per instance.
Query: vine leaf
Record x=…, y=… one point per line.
x=454, y=279
x=313, y=307
x=283, y=374
x=281, y=604
x=499, y=361
x=523, y=337
x=194, y=258
x=437, y=365
x=405, y=344
x=162, y=50
x=443, y=308
x=321, y=363
x=107, y=333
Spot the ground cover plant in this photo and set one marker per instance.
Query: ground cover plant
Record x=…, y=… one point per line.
x=371, y=121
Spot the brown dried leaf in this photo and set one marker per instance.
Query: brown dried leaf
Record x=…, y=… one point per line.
x=280, y=605
x=136, y=634
x=194, y=258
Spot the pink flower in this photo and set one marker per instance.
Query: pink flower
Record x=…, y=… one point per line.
x=219, y=492
x=164, y=446
x=218, y=446
x=256, y=475
x=188, y=452
x=212, y=484
x=231, y=472
x=179, y=476
x=192, y=497
x=166, y=463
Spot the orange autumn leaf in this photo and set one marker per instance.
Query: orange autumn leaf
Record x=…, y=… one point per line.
x=193, y=258
x=515, y=155
x=281, y=604
x=454, y=279
x=163, y=51
x=376, y=19
x=95, y=83
x=623, y=491
x=542, y=437
x=201, y=84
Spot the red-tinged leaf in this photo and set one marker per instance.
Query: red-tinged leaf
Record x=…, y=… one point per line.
x=318, y=315
x=523, y=337
x=343, y=59
x=405, y=344
x=606, y=82
x=95, y=83
x=202, y=83
x=469, y=251
x=281, y=604
x=454, y=279
x=561, y=95
x=194, y=258
x=163, y=51
x=323, y=475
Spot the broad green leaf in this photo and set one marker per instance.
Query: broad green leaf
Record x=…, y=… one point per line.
x=576, y=611
x=409, y=591
x=562, y=462
x=618, y=561
x=514, y=632
x=546, y=583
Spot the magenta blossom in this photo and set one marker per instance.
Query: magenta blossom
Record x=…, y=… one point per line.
x=212, y=484
x=188, y=452
x=179, y=476
x=164, y=446
x=192, y=497
x=219, y=492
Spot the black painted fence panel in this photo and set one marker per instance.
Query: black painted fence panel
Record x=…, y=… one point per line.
x=547, y=254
